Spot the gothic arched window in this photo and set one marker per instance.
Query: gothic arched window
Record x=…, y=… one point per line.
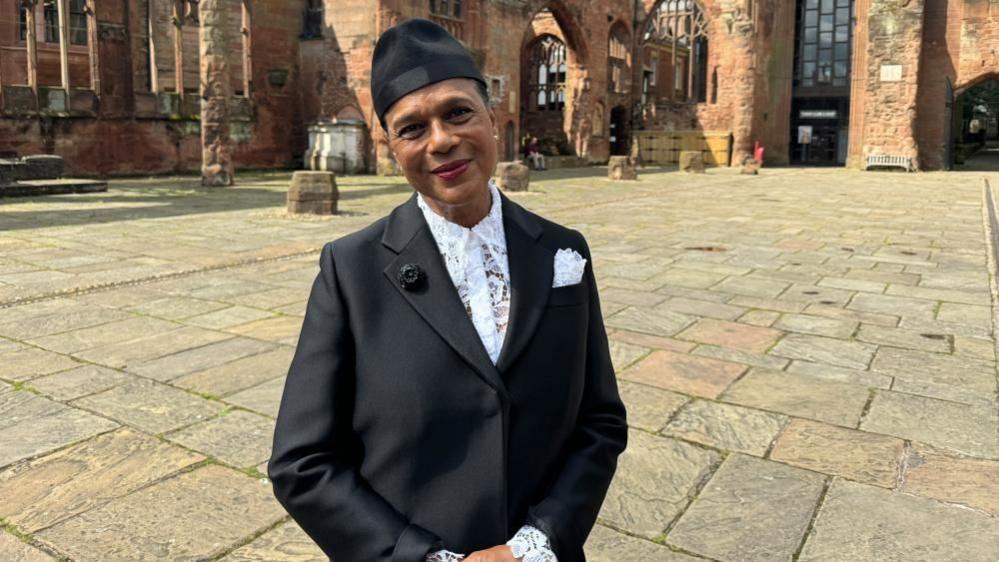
x=619, y=59
x=679, y=26
x=548, y=69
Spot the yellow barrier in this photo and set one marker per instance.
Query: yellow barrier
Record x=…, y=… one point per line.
x=664, y=147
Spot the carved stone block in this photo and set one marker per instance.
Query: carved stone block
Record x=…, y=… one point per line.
x=314, y=193
x=692, y=162
x=621, y=168
x=512, y=176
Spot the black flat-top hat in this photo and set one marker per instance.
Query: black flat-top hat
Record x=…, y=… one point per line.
x=414, y=54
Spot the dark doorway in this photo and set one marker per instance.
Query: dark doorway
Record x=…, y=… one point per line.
x=820, y=131
x=820, y=106
x=619, y=131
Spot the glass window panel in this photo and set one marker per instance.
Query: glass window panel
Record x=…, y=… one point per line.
x=811, y=4
x=842, y=15
x=807, y=82
x=826, y=23
x=542, y=98
x=842, y=34
x=808, y=70
x=811, y=34
x=839, y=81
x=811, y=18
x=843, y=3
x=825, y=74
x=827, y=6
x=842, y=51
x=542, y=74
x=825, y=40
x=825, y=56
x=841, y=69
x=809, y=52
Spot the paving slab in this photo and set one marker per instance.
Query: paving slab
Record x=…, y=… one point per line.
x=150, y=406
x=948, y=377
x=816, y=325
x=84, y=476
x=842, y=353
x=237, y=438
x=13, y=550
x=201, y=358
x=860, y=522
x=175, y=308
x=240, y=374
x=654, y=322
x=31, y=425
x=169, y=520
x=265, y=398
x=725, y=426
x=654, y=480
x=30, y=362
x=839, y=374
x=649, y=408
x=624, y=354
x=285, y=543
x=907, y=339
x=104, y=334
x=798, y=395
x=856, y=455
x=764, y=318
x=952, y=478
x=959, y=427
x=608, y=545
x=744, y=357
x=751, y=509
x=650, y=341
x=704, y=309
x=750, y=339
x=687, y=374
x=279, y=329
x=125, y=354
x=74, y=383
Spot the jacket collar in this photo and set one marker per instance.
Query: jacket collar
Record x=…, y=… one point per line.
x=531, y=270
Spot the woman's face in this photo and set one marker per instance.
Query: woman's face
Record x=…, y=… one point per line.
x=442, y=136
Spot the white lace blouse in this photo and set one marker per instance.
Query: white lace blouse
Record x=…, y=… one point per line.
x=477, y=263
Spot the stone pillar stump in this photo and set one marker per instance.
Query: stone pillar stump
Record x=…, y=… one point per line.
x=691, y=162
x=621, y=168
x=512, y=176
x=313, y=193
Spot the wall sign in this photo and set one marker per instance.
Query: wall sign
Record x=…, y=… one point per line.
x=804, y=134
x=891, y=73
x=817, y=114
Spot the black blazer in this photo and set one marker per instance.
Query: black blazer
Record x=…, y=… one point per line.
x=397, y=435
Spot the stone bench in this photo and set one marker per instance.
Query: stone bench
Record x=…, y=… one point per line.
x=313, y=193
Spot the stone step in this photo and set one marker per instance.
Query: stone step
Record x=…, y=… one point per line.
x=51, y=187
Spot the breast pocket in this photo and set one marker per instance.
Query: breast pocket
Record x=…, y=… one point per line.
x=570, y=295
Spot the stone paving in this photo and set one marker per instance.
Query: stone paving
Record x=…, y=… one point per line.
x=808, y=359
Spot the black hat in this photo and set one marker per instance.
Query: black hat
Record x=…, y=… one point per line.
x=414, y=54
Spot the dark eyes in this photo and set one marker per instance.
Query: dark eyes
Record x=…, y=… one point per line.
x=459, y=114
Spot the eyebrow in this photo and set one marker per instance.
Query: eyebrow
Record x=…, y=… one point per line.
x=447, y=102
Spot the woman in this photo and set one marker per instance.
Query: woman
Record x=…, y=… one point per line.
x=452, y=393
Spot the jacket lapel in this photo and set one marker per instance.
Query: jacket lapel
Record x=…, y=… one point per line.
x=436, y=300
x=531, y=272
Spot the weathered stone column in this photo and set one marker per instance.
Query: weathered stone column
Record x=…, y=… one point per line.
x=743, y=32
x=216, y=89
x=179, y=15
x=32, y=41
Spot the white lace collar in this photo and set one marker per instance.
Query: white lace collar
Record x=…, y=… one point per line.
x=476, y=261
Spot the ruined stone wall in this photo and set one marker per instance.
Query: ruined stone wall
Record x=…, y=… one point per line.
x=128, y=130
x=894, y=32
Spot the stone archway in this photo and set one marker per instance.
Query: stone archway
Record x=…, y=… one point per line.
x=554, y=81
x=974, y=121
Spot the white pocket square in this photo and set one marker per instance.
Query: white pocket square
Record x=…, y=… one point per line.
x=569, y=267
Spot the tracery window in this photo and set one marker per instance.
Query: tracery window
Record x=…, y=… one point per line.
x=449, y=15
x=447, y=8
x=619, y=59
x=548, y=69
x=680, y=26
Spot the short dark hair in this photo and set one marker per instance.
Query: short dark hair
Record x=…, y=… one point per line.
x=480, y=87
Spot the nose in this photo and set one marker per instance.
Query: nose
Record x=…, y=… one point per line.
x=441, y=138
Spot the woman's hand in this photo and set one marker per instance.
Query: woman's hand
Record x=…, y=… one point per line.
x=501, y=553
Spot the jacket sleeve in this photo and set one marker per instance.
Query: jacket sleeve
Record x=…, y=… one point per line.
x=313, y=465
x=568, y=512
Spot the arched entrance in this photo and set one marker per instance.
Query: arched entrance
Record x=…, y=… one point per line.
x=975, y=118
x=551, y=69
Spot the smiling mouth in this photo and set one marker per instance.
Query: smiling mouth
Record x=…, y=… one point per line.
x=451, y=170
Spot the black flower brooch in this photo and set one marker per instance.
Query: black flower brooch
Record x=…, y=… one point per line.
x=410, y=276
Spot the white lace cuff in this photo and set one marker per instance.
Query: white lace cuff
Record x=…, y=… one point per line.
x=444, y=556
x=531, y=545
